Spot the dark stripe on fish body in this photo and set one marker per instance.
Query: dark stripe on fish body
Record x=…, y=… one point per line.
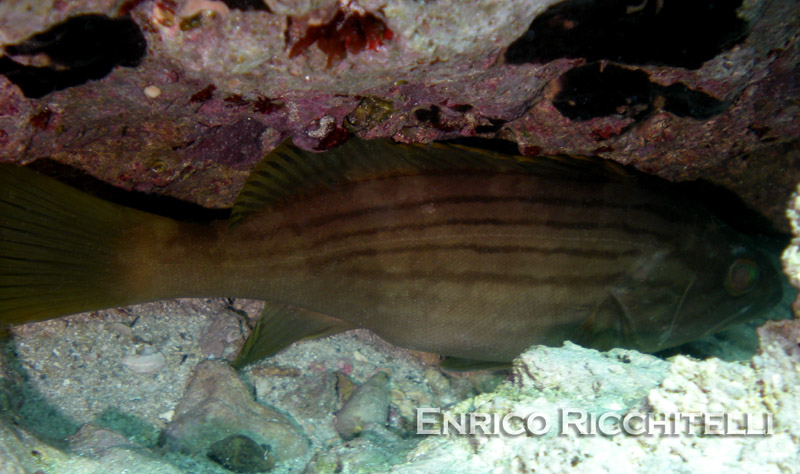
x=662, y=212
x=623, y=203
x=470, y=278
x=575, y=231
x=481, y=249
x=549, y=223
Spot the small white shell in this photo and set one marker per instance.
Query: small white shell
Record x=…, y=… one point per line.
x=145, y=363
x=152, y=91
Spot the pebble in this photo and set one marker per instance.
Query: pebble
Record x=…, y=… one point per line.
x=238, y=453
x=152, y=92
x=145, y=363
x=369, y=404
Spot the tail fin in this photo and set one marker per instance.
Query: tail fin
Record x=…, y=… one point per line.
x=58, y=248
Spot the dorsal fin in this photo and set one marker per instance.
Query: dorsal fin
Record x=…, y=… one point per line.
x=288, y=171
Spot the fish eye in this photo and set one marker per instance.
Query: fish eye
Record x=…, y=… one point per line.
x=742, y=276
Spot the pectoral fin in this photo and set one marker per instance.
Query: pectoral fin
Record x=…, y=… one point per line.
x=609, y=326
x=281, y=325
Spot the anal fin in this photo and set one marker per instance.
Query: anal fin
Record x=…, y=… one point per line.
x=279, y=326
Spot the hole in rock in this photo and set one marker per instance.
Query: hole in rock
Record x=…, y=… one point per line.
x=78, y=50
x=593, y=91
x=247, y=5
x=682, y=33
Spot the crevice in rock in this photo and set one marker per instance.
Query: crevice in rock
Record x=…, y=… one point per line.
x=682, y=33
x=594, y=90
x=71, y=53
x=496, y=125
x=247, y=5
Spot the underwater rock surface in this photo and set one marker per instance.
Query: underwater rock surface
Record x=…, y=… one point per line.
x=682, y=385
x=368, y=405
x=791, y=256
x=221, y=83
x=303, y=390
x=217, y=401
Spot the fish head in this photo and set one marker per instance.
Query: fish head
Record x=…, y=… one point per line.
x=684, y=291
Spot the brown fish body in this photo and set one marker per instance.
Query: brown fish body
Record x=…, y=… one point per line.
x=466, y=261
x=472, y=265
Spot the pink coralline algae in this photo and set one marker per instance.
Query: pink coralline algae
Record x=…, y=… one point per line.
x=551, y=76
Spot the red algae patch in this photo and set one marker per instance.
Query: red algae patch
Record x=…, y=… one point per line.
x=347, y=32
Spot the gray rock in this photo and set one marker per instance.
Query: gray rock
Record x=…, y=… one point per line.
x=22, y=453
x=778, y=367
x=93, y=440
x=218, y=404
x=15, y=452
x=239, y=453
x=372, y=451
x=221, y=337
x=547, y=380
x=574, y=372
x=369, y=405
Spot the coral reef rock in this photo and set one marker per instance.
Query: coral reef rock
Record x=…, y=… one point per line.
x=368, y=405
x=187, y=95
x=624, y=382
x=311, y=380
x=217, y=404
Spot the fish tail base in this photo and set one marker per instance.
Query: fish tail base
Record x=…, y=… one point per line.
x=58, y=248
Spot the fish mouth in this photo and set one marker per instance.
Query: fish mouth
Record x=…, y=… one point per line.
x=735, y=318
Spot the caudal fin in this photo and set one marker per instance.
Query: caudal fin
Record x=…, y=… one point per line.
x=58, y=248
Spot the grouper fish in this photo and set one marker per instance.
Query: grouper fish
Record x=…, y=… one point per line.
x=439, y=248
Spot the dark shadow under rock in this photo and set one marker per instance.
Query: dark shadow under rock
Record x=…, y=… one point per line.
x=683, y=33
x=80, y=49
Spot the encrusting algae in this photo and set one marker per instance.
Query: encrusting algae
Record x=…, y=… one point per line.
x=438, y=248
